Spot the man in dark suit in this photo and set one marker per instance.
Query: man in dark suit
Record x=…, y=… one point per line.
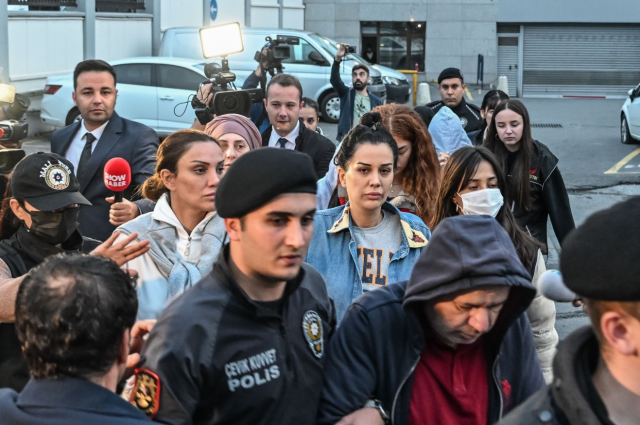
x=283, y=101
x=77, y=344
x=101, y=135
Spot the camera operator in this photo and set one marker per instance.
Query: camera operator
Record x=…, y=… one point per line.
x=355, y=101
x=39, y=220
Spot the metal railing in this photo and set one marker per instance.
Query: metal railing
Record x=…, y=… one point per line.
x=119, y=6
x=43, y=3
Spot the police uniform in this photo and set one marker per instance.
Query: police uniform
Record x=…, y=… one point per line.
x=468, y=113
x=66, y=401
x=216, y=356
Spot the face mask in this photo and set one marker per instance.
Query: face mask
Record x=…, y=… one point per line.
x=54, y=227
x=482, y=202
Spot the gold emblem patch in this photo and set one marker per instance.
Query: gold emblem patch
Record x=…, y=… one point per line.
x=56, y=175
x=146, y=392
x=312, y=328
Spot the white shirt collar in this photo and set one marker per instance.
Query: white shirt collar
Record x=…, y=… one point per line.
x=97, y=133
x=291, y=137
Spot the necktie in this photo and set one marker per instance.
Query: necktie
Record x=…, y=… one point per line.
x=85, y=156
x=282, y=141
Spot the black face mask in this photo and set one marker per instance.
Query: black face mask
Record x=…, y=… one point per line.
x=54, y=227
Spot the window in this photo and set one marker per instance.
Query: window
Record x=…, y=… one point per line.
x=300, y=53
x=138, y=74
x=175, y=77
x=398, y=45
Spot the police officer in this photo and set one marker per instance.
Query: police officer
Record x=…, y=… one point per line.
x=74, y=316
x=596, y=368
x=246, y=345
x=452, y=87
x=41, y=220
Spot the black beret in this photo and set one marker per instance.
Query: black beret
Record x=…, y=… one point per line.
x=601, y=258
x=261, y=175
x=450, y=73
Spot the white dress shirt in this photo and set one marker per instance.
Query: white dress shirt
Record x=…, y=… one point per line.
x=79, y=140
x=291, y=138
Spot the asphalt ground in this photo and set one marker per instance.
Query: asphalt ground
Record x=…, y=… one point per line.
x=598, y=169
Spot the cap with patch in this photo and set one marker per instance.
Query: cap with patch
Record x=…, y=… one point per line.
x=261, y=175
x=599, y=260
x=450, y=73
x=47, y=182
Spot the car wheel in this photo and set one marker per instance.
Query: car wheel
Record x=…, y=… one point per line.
x=73, y=116
x=625, y=136
x=330, y=107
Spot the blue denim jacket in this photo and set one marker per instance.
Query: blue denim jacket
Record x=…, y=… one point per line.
x=333, y=252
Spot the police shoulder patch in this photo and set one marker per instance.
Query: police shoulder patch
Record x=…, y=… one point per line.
x=146, y=392
x=313, y=333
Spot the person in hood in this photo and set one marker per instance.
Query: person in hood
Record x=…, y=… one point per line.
x=452, y=87
x=535, y=184
x=184, y=230
x=367, y=243
x=474, y=184
x=39, y=219
x=596, y=369
x=448, y=134
x=450, y=346
x=247, y=344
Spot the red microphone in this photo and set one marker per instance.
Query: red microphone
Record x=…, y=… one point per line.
x=117, y=176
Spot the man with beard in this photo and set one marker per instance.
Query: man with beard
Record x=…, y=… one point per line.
x=452, y=87
x=355, y=101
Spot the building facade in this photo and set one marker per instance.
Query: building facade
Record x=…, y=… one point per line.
x=546, y=48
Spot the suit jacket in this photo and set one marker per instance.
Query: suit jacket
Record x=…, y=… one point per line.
x=318, y=147
x=132, y=141
x=66, y=401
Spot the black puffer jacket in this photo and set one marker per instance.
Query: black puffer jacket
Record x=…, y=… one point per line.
x=549, y=198
x=565, y=401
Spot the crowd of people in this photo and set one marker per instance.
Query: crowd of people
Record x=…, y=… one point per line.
x=274, y=277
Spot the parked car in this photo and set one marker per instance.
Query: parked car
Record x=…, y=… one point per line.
x=630, y=117
x=151, y=90
x=310, y=61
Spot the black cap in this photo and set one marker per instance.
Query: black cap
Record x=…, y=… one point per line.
x=450, y=73
x=261, y=175
x=46, y=181
x=600, y=259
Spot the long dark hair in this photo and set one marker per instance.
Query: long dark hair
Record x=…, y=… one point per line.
x=9, y=223
x=461, y=168
x=518, y=185
x=169, y=153
x=490, y=101
x=422, y=176
x=369, y=131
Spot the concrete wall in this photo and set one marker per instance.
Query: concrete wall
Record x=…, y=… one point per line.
x=41, y=46
x=182, y=13
x=588, y=11
x=121, y=38
x=457, y=30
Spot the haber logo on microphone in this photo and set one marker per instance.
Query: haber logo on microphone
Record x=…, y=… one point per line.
x=117, y=174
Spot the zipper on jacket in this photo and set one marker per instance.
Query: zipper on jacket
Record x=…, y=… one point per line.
x=495, y=379
x=186, y=250
x=404, y=381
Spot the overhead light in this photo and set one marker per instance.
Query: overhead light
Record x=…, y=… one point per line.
x=419, y=25
x=221, y=40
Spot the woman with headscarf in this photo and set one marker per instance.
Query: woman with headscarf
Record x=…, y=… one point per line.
x=234, y=133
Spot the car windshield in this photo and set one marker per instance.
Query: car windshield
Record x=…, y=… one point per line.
x=331, y=46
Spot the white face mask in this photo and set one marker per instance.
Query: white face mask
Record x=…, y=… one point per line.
x=482, y=202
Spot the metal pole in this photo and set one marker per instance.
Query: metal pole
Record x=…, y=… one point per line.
x=4, y=41
x=281, y=14
x=89, y=27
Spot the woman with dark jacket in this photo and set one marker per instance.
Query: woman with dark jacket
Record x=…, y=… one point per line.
x=535, y=186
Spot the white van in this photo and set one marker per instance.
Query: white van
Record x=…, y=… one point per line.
x=313, y=74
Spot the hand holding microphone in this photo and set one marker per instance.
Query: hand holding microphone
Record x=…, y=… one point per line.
x=117, y=177
x=552, y=286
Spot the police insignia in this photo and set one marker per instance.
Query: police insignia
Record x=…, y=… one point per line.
x=312, y=328
x=464, y=122
x=146, y=392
